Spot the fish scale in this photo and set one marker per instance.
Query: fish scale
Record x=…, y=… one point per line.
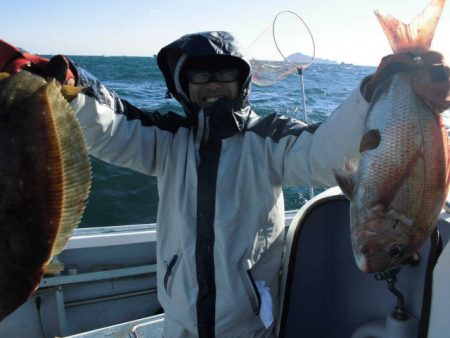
x=401, y=184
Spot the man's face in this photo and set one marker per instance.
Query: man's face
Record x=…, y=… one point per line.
x=206, y=87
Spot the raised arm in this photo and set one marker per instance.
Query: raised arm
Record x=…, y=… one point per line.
x=115, y=130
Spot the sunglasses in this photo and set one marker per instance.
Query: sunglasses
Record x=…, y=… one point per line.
x=205, y=76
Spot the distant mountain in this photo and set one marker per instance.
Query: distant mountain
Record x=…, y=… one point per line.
x=302, y=58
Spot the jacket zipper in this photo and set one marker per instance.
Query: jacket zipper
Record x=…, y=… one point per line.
x=199, y=135
x=207, y=129
x=209, y=155
x=169, y=268
x=257, y=306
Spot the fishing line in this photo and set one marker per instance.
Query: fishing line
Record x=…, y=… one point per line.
x=300, y=68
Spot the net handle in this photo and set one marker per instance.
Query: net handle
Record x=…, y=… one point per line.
x=302, y=67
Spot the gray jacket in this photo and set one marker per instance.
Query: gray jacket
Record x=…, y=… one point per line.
x=220, y=175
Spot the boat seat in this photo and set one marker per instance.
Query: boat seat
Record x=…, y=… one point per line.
x=325, y=295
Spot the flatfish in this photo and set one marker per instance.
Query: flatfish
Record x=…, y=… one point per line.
x=45, y=179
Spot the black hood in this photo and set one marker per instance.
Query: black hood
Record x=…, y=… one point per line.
x=172, y=58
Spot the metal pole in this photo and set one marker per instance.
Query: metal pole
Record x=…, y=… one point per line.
x=300, y=69
x=305, y=113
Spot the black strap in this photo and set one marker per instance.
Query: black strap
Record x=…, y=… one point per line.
x=204, y=246
x=435, y=251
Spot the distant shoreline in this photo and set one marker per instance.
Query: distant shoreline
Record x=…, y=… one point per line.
x=303, y=60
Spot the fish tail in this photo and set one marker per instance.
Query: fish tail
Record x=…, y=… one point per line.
x=416, y=36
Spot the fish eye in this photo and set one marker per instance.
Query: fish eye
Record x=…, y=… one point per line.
x=396, y=251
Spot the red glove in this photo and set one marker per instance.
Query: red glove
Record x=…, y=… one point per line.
x=431, y=80
x=12, y=61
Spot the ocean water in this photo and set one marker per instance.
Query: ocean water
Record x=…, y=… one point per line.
x=121, y=196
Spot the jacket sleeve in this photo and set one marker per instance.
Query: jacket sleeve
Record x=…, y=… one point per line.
x=117, y=132
x=310, y=158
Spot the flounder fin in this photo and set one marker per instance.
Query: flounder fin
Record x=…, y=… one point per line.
x=345, y=180
x=70, y=92
x=370, y=140
x=76, y=167
x=53, y=267
x=415, y=37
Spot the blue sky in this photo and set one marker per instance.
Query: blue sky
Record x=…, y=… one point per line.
x=343, y=30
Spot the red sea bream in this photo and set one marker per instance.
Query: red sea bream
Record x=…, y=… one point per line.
x=400, y=183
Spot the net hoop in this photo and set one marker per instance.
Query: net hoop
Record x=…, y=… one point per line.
x=299, y=67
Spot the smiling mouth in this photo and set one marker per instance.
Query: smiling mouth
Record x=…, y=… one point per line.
x=212, y=99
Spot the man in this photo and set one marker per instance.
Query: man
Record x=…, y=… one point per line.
x=220, y=171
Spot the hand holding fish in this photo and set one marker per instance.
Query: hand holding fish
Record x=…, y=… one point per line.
x=13, y=60
x=431, y=79
x=58, y=68
x=390, y=65
x=432, y=82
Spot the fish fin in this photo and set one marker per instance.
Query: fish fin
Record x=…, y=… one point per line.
x=345, y=180
x=3, y=75
x=416, y=36
x=370, y=140
x=70, y=92
x=352, y=164
x=75, y=164
x=53, y=267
